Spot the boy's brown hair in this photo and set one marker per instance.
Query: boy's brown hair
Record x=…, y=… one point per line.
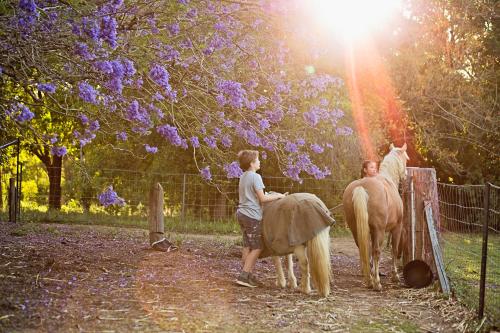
x=245, y=157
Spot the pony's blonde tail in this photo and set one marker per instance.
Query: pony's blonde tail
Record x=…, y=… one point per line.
x=360, y=203
x=318, y=254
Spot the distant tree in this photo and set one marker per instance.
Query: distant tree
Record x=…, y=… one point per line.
x=446, y=69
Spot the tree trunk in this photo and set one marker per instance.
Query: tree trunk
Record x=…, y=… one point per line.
x=54, y=171
x=1, y=190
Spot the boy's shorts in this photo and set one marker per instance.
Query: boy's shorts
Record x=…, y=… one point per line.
x=252, y=231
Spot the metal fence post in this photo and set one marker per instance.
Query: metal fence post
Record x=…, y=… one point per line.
x=183, y=197
x=484, y=255
x=19, y=192
x=12, y=200
x=412, y=217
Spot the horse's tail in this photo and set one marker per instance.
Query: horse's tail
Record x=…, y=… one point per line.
x=360, y=203
x=318, y=253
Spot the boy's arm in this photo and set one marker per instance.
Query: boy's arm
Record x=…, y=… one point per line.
x=268, y=197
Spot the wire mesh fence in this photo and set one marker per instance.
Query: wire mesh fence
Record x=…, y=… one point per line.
x=186, y=196
x=462, y=217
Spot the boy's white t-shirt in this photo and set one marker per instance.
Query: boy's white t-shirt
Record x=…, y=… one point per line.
x=249, y=203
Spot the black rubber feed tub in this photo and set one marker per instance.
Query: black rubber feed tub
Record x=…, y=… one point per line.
x=417, y=274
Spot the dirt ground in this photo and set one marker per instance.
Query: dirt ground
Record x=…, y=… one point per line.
x=63, y=278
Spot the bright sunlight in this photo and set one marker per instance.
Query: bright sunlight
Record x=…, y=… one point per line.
x=353, y=20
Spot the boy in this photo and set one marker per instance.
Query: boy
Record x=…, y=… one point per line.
x=249, y=214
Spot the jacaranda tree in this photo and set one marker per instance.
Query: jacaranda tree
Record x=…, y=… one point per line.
x=209, y=76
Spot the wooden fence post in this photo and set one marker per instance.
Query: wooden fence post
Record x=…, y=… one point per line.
x=183, y=207
x=155, y=216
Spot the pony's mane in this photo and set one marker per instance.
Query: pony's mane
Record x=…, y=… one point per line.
x=390, y=167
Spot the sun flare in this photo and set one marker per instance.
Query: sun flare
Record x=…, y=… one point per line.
x=352, y=20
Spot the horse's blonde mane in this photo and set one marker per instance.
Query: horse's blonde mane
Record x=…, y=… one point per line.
x=391, y=166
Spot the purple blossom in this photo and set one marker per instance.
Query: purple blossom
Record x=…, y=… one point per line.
x=317, y=148
x=210, y=141
x=160, y=76
x=27, y=6
x=192, y=13
x=219, y=26
x=275, y=116
x=91, y=28
x=293, y=173
x=291, y=147
x=58, y=151
x=234, y=91
x=158, y=96
x=115, y=85
x=311, y=117
x=129, y=67
x=264, y=124
x=226, y=141
x=47, y=87
x=83, y=51
x=121, y=136
x=84, y=119
x=150, y=149
x=137, y=113
x=108, y=31
x=205, y=173
x=169, y=53
x=345, y=130
x=20, y=112
x=87, y=93
x=170, y=133
x=233, y=170
x=25, y=114
x=94, y=126
x=109, y=198
x=104, y=66
x=186, y=44
x=174, y=29
x=194, y=141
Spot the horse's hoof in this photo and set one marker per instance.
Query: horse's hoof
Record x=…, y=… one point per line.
x=281, y=284
x=377, y=287
x=292, y=285
x=306, y=291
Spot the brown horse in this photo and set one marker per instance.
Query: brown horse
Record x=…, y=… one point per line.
x=373, y=206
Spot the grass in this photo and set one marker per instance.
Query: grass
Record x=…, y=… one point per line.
x=385, y=325
x=462, y=256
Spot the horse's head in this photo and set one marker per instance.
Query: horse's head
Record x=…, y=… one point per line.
x=402, y=158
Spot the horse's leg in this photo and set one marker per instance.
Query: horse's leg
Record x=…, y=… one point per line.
x=305, y=284
x=396, y=238
x=377, y=243
x=280, y=277
x=292, y=280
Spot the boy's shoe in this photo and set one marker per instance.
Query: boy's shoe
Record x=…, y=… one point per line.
x=245, y=280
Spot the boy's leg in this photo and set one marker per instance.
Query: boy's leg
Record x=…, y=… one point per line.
x=244, y=254
x=251, y=259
